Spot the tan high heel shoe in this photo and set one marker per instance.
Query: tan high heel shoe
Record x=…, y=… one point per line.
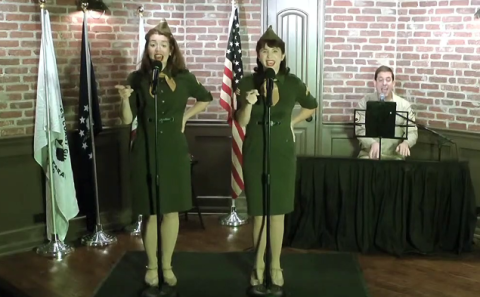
x=277, y=277
x=171, y=280
x=256, y=278
x=151, y=277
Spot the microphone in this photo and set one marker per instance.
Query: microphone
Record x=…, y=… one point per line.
x=269, y=75
x=382, y=97
x=157, y=67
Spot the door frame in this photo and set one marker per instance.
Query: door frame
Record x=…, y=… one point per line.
x=320, y=58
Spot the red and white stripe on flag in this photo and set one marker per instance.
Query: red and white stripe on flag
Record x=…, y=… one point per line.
x=233, y=72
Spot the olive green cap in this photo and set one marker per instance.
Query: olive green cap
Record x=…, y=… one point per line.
x=164, y=28
x=270, y=35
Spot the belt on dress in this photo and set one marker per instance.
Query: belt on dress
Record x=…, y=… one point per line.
x=162, y=120
x=272, y=123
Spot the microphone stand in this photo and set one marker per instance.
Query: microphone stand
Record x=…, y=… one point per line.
x=382, y=99
x=161, y=290
x=440, y=142
x=267, y=289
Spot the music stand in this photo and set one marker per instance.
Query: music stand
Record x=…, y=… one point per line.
x=380, y=121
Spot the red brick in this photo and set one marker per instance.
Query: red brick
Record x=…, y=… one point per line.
x=358, y=36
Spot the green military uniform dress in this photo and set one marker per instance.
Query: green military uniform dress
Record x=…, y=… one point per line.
x=173, y=154
x=291, y=90
x=282, y=156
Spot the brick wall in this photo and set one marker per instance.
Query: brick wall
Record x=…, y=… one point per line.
x=433, y=47
x=200, y=26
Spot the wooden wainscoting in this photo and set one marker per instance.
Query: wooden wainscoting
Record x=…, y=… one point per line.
x=210, y=143
x=22, y=202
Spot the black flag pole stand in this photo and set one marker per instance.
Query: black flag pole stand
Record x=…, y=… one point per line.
x=267, y=289
x=162, y=289
x=98, y=238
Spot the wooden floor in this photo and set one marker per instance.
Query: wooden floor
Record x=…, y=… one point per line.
x=80, y=273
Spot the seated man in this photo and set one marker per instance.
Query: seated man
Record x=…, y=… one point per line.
x=395, y=149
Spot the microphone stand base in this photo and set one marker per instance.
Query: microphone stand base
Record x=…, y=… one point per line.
x=262, y=290
x=99, y=238
x=163, y=291
x=135, y=229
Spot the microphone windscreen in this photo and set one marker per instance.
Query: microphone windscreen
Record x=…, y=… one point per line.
x=269, y=73
x=157, y=64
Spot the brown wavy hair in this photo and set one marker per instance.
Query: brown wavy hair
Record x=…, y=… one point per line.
x=175, y=62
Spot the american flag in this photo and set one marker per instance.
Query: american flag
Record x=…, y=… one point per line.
x=232, y=74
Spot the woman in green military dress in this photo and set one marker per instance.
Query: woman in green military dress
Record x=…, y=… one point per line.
x=288, y=90
x=176, y=85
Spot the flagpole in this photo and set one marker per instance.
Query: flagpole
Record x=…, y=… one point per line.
x=233, y=219
x=135, y=229
x=55, y=248
x=99, y=237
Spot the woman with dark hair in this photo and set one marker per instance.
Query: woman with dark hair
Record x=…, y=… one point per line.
x=288, y=90
x=176, y=84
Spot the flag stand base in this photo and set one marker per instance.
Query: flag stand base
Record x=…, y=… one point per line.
x=135, y=229
x=233, y=219
x=98, y=238
x=55, y=249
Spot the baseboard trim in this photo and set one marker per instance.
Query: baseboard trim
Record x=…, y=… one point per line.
x=27, y=239
x=220, y=204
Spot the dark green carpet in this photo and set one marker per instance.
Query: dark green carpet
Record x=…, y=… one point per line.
x=227, y=275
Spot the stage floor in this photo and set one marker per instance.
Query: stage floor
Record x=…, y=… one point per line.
x=386, y=276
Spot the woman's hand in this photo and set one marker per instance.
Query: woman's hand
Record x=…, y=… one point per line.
x=252, y=96
x=124, y=91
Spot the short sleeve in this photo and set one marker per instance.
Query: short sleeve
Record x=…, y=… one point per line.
x=244, y=85
x=197, y=90
x=133, y=100
x=305, y=98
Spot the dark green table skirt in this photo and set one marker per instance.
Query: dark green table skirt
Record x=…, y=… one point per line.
x=396, y=207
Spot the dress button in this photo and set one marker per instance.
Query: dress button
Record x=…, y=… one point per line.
x=150, y=120
x=163, y=101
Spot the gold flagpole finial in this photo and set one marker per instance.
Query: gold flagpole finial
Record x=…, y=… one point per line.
x=141, y=9
x=84, y=6
x=42, y=3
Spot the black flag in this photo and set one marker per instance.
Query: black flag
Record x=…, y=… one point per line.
x=86, y=145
